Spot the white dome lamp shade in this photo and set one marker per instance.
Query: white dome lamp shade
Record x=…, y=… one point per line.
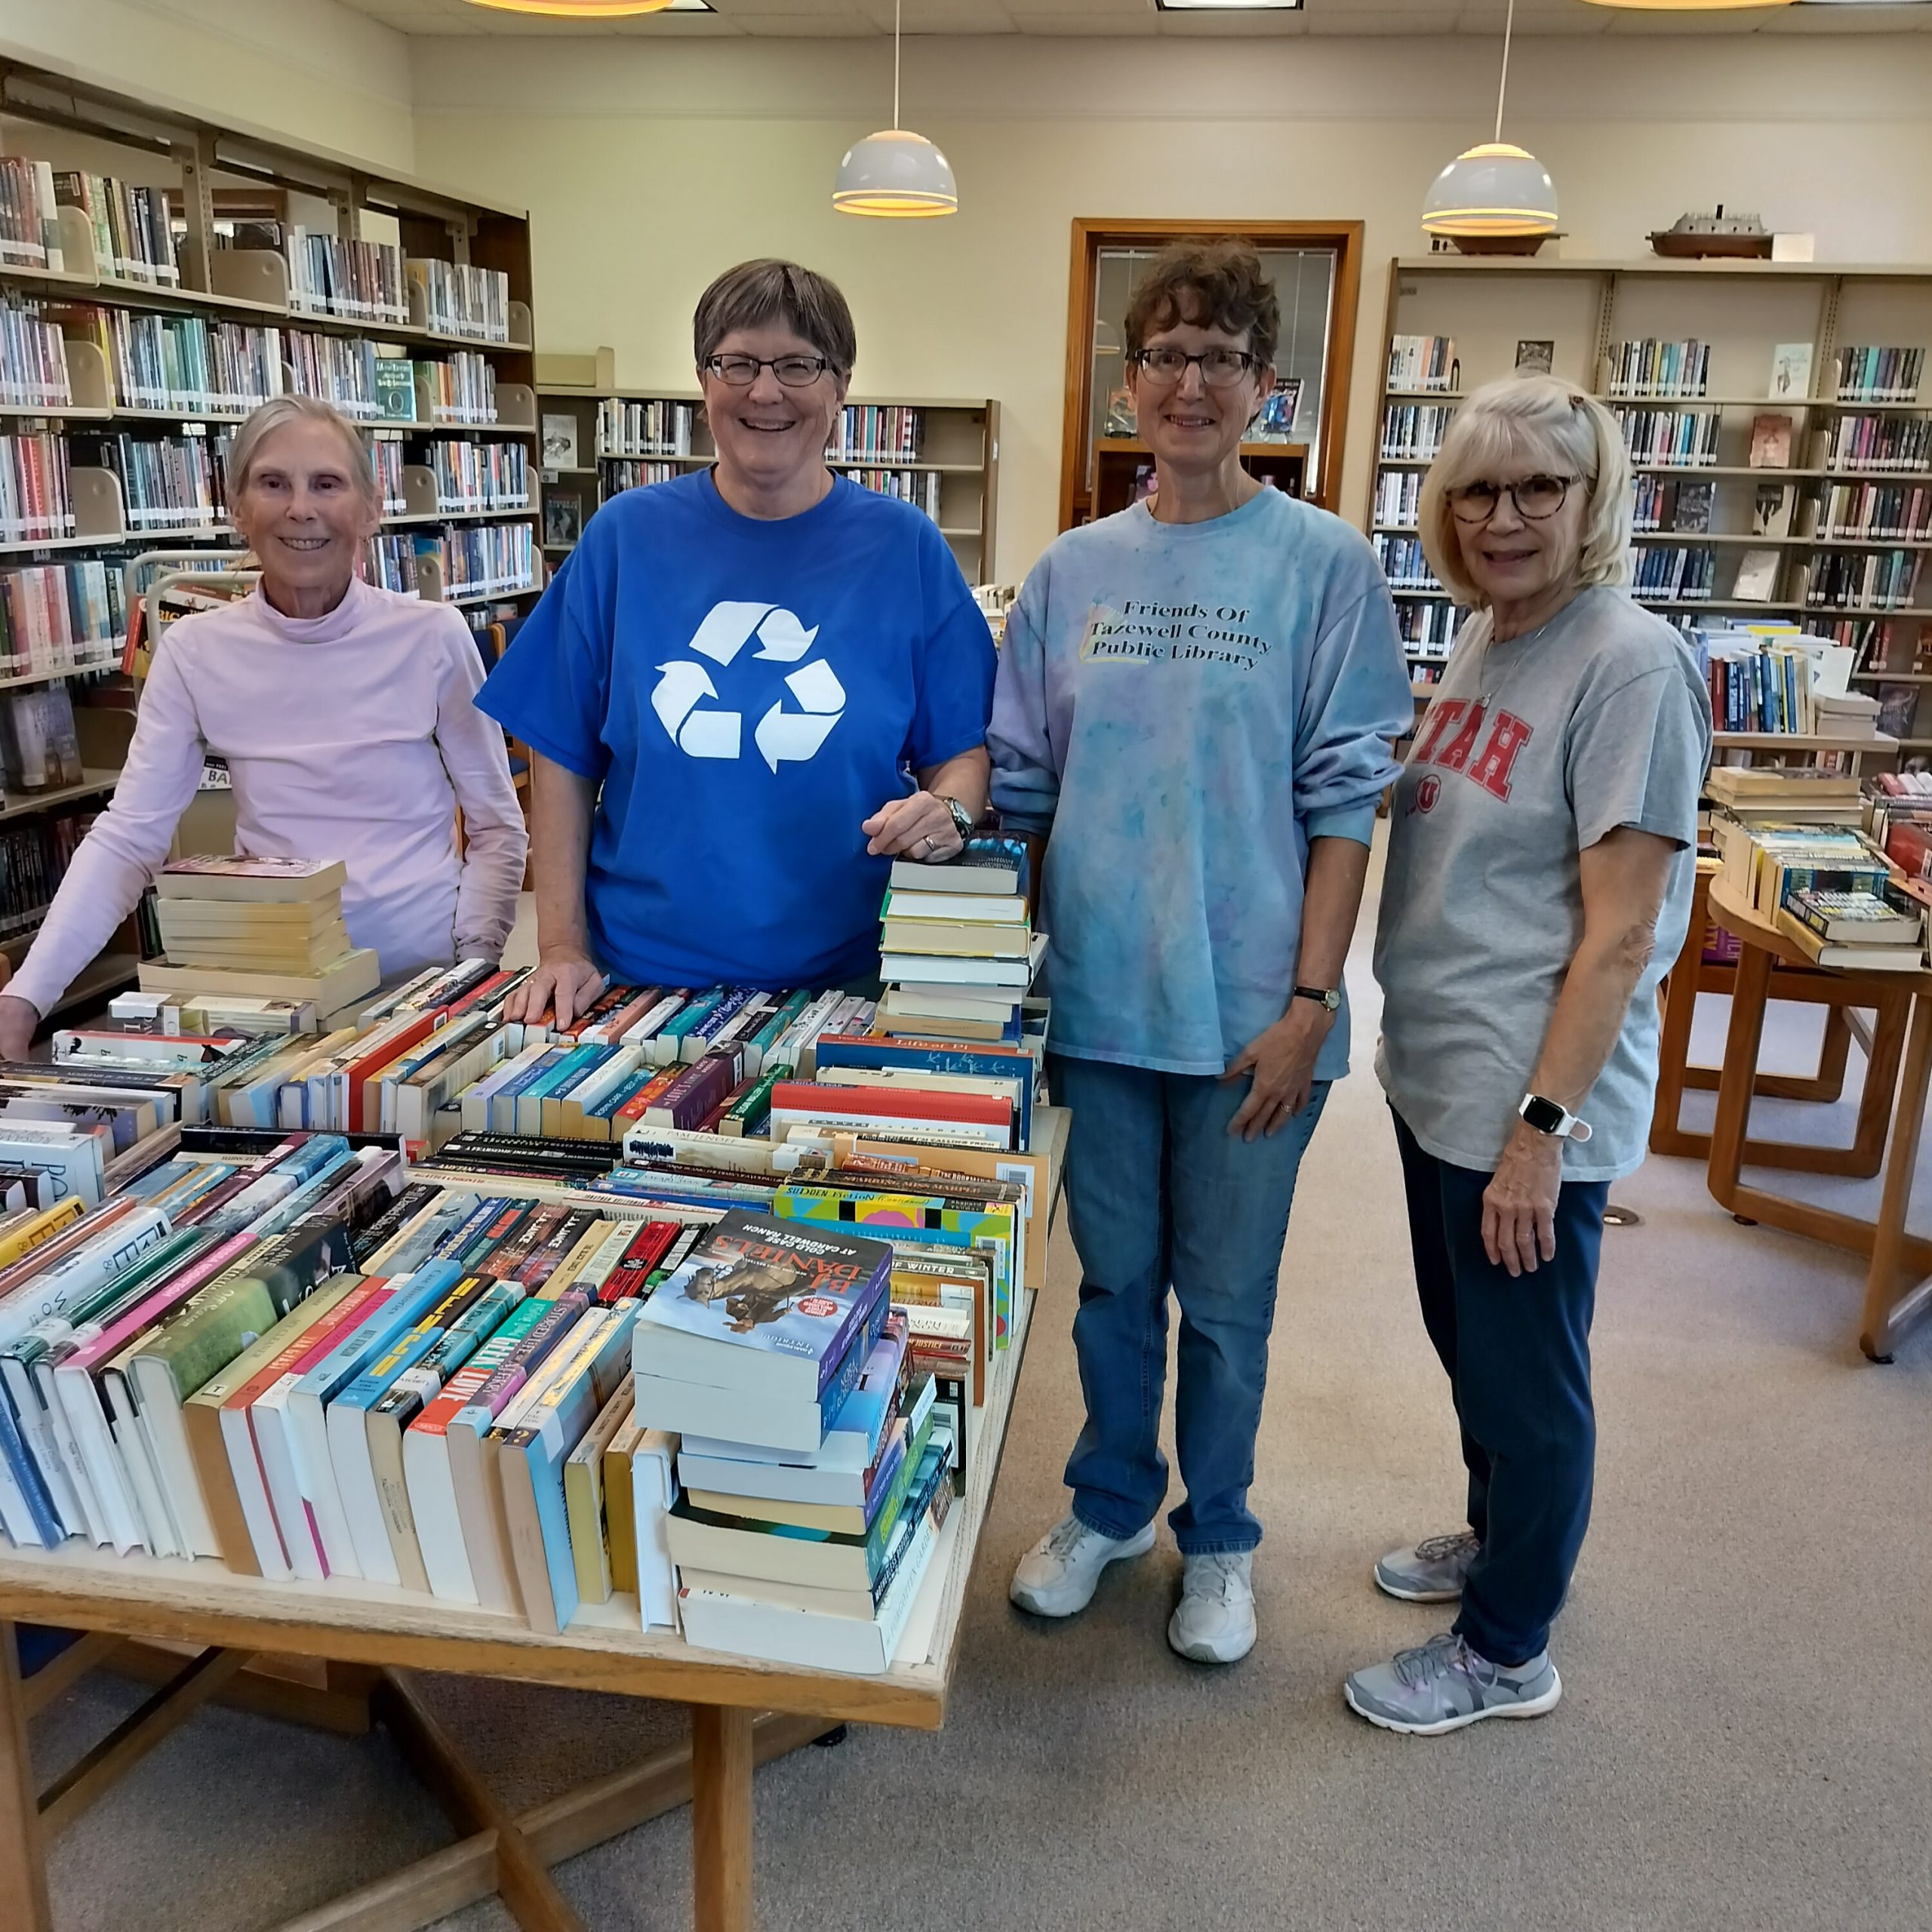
x=1494, y=194
x=895, y=174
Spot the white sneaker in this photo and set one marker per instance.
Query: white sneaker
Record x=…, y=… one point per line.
x=1213, y=1622
x=1058, y=1574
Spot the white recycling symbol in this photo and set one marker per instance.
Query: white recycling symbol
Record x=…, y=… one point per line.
x=702, y=731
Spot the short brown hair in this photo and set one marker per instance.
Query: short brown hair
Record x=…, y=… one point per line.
x=1213, y=284
x=755, y=293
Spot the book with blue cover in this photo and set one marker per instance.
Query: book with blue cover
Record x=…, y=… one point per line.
x=763, y=1305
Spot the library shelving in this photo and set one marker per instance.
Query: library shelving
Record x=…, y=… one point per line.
x=161, y=274
x=1824, y=509
x=941, y=455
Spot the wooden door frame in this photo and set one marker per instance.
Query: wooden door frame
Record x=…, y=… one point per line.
x=1090, y=236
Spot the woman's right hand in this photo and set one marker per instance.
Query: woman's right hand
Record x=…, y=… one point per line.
x=565, y=981
x=19, y=1019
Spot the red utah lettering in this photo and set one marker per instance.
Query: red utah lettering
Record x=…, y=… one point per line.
x=1455, y=753
x=1507, y=737
x=1442, y=714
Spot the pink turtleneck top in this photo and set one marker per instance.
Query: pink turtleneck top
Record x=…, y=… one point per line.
x=351, y=736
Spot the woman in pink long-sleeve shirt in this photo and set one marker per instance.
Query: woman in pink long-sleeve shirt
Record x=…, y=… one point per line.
x=345, y=715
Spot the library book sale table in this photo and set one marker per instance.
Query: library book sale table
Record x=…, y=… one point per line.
x=362, y=1638
x=1898, y=1285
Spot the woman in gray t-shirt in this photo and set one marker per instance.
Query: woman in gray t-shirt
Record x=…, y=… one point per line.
x=1540, y=859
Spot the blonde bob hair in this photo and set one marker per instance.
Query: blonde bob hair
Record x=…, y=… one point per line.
x=1538, y=420
x=277, y=413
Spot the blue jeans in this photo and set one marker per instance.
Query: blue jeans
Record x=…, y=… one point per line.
x=1159, y=1195
x=1517, y=1352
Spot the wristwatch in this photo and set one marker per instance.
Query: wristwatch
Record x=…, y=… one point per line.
x=1551, y=1117
x=962, y=819
x=1328, y=996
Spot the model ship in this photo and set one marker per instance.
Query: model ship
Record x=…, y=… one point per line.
x=1694, y=236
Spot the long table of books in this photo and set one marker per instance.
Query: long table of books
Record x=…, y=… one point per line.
x=386, y=1340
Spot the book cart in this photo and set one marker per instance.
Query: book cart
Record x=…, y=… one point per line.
x=358, y=1640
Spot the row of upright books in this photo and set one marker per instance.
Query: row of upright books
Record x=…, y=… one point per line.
x=36, y=498
x=177, y=482
x=1424, y=362
x=643, y=428
x=1405, y=563
x=873, y=432
x=487, y=560
x=33, y=357
x=1646, y=367
x=1412, y=431
x=70, y=615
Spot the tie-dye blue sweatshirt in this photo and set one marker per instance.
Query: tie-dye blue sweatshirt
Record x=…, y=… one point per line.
x=1184, y=706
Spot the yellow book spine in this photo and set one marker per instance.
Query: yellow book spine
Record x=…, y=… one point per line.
x=44, y=1225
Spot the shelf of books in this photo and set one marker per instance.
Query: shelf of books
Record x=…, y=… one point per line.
x=159, y=278
x=1782, y=439
x=941, y=456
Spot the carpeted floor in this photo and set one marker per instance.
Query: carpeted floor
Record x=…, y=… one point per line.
x=1746, y=1743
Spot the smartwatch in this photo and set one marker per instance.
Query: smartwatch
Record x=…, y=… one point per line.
x=1328, y=996
x=1550, y=1117
x=962, y=819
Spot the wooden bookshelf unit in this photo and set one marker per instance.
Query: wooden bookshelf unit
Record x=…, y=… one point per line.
x=1493, y=307
x=212, y=178
x=958, y=458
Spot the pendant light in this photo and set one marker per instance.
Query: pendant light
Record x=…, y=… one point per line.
x=576, y=10
x=1690, y=6
x=1494, y=191
x=895, y=172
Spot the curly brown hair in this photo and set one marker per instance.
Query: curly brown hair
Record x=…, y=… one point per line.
x=1213, y=284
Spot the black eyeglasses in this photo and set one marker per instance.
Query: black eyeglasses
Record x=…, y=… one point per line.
x=740, y=372
x=1220, y=368
x=1536, y=498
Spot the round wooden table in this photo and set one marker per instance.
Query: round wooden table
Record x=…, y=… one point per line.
x=1898, y=1294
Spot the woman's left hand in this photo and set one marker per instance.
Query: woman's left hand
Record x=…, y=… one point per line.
x=919, y=827
x=1519, y=1205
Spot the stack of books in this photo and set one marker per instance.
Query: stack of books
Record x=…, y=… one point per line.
x=814, y=1492
x=957, y=952
x=264, y=928
x=1860, y=930
x=1747, y=796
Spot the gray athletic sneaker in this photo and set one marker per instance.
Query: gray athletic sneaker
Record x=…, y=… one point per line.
x=1444, y=1685
x=1431, y=1571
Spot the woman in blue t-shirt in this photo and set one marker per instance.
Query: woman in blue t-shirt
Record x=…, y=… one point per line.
x=747, y=690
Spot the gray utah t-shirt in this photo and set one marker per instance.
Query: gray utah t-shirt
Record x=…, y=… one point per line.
x=1531, y=751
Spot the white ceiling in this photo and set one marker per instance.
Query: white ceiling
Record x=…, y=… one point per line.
x=820, y=18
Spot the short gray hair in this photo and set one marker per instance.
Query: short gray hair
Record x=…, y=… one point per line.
x=1543, y=419
x=756, y=293
x=279, y=412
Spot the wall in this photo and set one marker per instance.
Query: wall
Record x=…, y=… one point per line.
x=309, y=71
x=648, y=165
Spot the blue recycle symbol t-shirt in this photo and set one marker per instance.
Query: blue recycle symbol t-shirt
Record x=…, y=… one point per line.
x=748, y=693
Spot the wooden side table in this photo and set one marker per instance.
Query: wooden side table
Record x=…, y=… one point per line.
x=1897, y=1294
x=1804, y=983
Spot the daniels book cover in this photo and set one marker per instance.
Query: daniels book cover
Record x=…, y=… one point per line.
x=780, y=1287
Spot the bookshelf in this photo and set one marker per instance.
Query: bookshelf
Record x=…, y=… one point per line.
x=126, y=373
x=1743, y=312
x=953, y=476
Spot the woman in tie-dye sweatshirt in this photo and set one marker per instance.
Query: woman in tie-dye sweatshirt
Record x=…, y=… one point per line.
x=1195, y=702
